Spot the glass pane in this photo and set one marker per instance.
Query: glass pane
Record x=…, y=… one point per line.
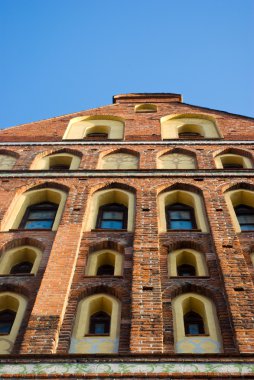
x=38, y=214
x=247, y=227
x=99, y=328
x=112, y=224
x=5, y=328
x=113, y=215
x=180, y=215
x=193, y=329
x=246, y=218
x=43, y=224
x=180, y=225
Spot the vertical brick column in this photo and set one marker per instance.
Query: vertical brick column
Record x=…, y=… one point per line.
x=236, y=277
x=147, y=324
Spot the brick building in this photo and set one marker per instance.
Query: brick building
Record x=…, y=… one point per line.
x=127, y=243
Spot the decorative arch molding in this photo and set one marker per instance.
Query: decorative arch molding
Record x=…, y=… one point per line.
x=79, y=127
x=15, y=243
x=7, y=159
x=203, y=124
x=107, y=244
x=68, y=157
x=16, y=303
x=177, y=195
x=119, y=159
x=35, y=195
x=176, y=158
x=210, y=341
x=82, y=340
x=110, y=194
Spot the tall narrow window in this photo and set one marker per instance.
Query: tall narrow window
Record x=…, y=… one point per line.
x=193, y=324
x=39, y=216
x=112, y=216
x=99, y=323
x=180, y=217
x=7, y=318
x=245, y=216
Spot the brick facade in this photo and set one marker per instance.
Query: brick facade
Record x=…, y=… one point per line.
x=145, y=289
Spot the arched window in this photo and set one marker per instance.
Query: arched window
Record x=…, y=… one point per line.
x=233, y=161
x=99, y=323
x=6, y=162
x=193, y=324
x=39, y=216
x=96, y=127
x=7, y=318
x=112, y=216
x=187, y=262
x=24, y=259
x=186, y=270
x=180, y=217
x=196, y=326
x=176, y=161
x=105, y=262
x=188, y=126
x=119, y=161
x=57, y=161
x=245, y=216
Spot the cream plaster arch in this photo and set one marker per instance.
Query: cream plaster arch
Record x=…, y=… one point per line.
x=186, y=197
x=103, y=197
x=187, y=256
x=118, y=160
x=16, y=303
x=81, y=342
x=236, y=197
x=252, y=258
x=171, y=125
x=44, y=163
x=211, y=341
x=79, y=127
x=229, y=158
x=145, y=107
x=176, y=160
x=16, y=255
x=19, y=205
x=102, y=257
x=6, y=161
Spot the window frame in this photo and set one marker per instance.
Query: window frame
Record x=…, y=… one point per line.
x=36, y=207
x=107, y=208
x=251, y=212
x=106, y=320
x=183, y=207
x=194, y=319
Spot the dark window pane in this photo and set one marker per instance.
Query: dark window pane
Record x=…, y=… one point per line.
x=7, y=318
x=247, y=227
x=113, y=215
x=99, y=323
x=186, y=270
x=36, y=224
x=41, y=214
x=180, y=215
x=112, y=224
x=105, y=270
x=24, y=267
x=193, y=329
x=181, y=225
x=246, y=219
x=193, y=324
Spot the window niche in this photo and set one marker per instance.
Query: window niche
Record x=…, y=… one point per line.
x=21, y=260
x=105, y=263
x=189, y=126
x=187, y=262
x=232, y=161
x=97, y=127
x=181, y=210
x=196, y=326
x=241, y=208
x=7, y=161
x=145, y=108
x=121, y=160
x=58, y=161
x=97, y=325
x=174, y=161
x=40, y=208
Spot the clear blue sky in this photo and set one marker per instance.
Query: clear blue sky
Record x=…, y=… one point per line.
x=63, y=56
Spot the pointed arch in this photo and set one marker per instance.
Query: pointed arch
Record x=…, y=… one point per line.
x=176, y=159
x=68, y=158
x=119, y=159
x=233, y=158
